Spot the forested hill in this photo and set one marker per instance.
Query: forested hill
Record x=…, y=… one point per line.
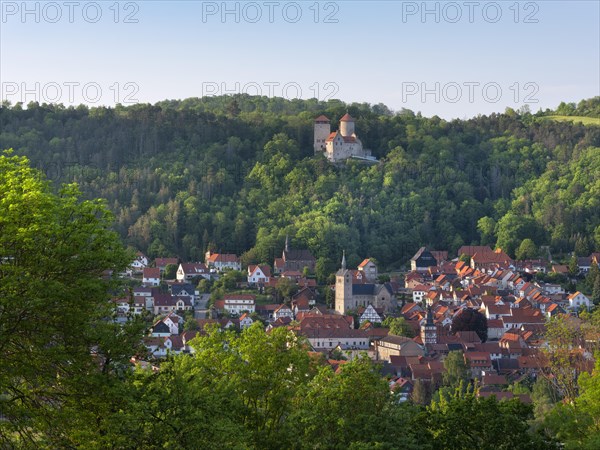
x=238, y=174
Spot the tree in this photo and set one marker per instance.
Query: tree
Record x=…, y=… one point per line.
x=334, y=409
x=398, y=326
x=470, y=319
x=421, y=394
x=576, y=423
x=573, y=266
x=456, y=370
x=563, y=333
x=596, y=291
x=58, y=350
x=526, y=250
x=170, y=272
x=465, y=258
x=286, y=287
x=500, y=425
x=487, y=229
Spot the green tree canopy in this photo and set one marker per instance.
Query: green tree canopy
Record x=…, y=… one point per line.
x=55, y=251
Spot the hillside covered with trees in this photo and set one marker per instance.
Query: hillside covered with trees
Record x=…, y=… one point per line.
x=238, y=174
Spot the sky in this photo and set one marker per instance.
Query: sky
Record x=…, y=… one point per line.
x=451, y=59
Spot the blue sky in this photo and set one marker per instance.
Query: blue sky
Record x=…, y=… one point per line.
x=458, y=60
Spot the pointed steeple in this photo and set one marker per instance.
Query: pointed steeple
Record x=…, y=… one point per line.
x=430, y=317
x=287, y=243
x=344, y=260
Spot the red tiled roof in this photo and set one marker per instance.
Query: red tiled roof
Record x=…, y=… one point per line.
x=322, y=118
x=347, y=118
x=239, y=297
x=162, y=262
x=223, y=257
x=151, y=272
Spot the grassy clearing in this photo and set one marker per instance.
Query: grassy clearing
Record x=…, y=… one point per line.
x=576, y=119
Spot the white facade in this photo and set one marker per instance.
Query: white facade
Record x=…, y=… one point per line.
x=257, y=276
x=339, y=145
x=578, y=300
x=237, y=306
x=322, y=131
x=349, y=342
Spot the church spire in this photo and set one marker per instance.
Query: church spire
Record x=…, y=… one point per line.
x=430, y=317
x=287, y=243
x=344, y=260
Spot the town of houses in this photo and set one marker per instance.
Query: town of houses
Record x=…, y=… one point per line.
x=428, y=297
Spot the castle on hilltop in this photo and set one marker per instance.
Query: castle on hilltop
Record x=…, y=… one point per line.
x=339, y=145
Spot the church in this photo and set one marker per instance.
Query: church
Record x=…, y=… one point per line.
x=351, y=292
x=339, y=145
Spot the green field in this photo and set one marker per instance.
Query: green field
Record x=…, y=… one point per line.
x=584, y=120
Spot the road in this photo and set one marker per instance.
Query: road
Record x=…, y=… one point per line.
x=200, y=311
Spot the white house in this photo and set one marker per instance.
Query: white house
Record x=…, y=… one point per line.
x=222, y=261
x=370, y=314
x=577, y=300
x=258, y=274
x=139, y=263
x=239, y=303
x=151, y=276
x=173, y=321
x=551, y=289
x=188, y=271
x=283, y=311
x=166, y=303
x=419, y=292
x=245, y=321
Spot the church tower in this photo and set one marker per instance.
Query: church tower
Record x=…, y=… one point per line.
x=429, y=330
x=347, y=125
x=322, y=131
x=343, y=288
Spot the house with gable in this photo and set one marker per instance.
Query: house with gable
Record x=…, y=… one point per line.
x=138, y=264
x=369, y=269
x=162, y=263
x=294, y=260
x=165, y=303
x=423, y=260
x=490, y=260
x=166, y=326
x=258, y=275
x=189, y=271
x=183, y=290
x=578, y=301
x=222, y=261
x=370, y=314
x=283, y=311
x=245, y=321
x=151, y=276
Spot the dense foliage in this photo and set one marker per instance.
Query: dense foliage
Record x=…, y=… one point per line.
x=58, y=352
x=238, y=173
x=470, y=319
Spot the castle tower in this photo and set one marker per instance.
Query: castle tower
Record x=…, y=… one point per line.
x=347, y=125
x=429, y=330
x=343, y=288
x=322, y=131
